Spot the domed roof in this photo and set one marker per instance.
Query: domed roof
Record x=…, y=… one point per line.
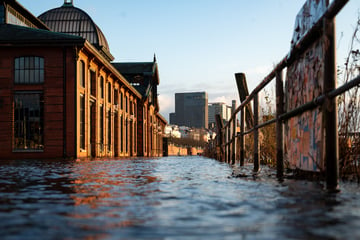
x=72, y=20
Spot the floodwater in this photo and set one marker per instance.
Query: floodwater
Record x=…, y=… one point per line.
x=167, y=198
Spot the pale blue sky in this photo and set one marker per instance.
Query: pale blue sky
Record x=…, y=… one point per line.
x=200, y=44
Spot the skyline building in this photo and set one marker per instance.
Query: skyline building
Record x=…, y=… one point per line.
x=191, y=110
x=221, y=109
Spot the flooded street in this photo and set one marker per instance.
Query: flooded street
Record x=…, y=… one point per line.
x=167, y=198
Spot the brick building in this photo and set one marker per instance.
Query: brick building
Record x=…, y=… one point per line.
x=62, y=97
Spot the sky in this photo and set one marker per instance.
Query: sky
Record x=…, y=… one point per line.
x=201, y=44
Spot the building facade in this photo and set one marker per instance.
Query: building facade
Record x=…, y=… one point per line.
x=191, y=109
x=218, y=108
x=60, y=93
x=221, y=109
x=144, y=77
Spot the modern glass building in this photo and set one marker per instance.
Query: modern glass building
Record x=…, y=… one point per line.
x=191, y=109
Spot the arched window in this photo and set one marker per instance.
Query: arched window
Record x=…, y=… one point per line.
x=101, y=87
x=109, y=130
x=121, y=101
x=92, y=82
x=29, y=70
x=82, y=122
x=109, y=92
x=101, y=120
x=82, y=73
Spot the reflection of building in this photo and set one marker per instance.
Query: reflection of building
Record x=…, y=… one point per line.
x=191, y=109
x=62, y=97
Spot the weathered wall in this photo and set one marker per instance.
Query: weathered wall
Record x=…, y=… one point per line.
x=304, y=82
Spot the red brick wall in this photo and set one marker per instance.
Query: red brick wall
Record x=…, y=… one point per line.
x=53, y=101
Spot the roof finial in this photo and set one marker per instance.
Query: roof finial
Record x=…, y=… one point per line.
x=68, y=2
x=154, y=57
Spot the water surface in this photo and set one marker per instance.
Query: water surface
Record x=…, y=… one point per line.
x=167, y=198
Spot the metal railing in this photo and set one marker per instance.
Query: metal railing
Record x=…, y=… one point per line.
x=229, y=135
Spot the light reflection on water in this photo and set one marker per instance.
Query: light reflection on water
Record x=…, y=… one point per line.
x=166, y=198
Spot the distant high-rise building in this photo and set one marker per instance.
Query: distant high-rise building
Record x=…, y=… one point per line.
x=191, y=110
x=221, y=109
x=172, y=118
x=217, y=109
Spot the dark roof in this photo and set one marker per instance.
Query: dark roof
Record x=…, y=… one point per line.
x=138, y=74
x=136, y=67
x=14, y=34
x=71, y=20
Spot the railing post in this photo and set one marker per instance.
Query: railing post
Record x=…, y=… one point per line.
x=330, y=109
x=279, y=125
x=242, y=137
x=225, y=144
x=256, y=133
x=233, y=109
x=223, y=159
x=219, y=132
x=228, y=142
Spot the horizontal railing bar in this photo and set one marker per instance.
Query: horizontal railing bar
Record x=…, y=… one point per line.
x=269, y=122
x=310, y=105
x=345, y=87
x=296, y=111
x=249, y=131
x=320, y=100
x=335, y=8
x=314, y=33
x=264, y=124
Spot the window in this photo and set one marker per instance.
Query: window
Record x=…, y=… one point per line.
x=82, y=121
x=101, y=120
x=14, y=17
x=116, y=97
x=82, y=73
x=126, y=104
x=92, y=82
x=29, y=70
x=126, y=135
x=109, y=131
x=28, y=121
x=131, y=108
x=2, y=14
x=135, y=135
x=145, y=137
x=109, y=92
x=101, y=87
x=121, y=134
x=121, y=101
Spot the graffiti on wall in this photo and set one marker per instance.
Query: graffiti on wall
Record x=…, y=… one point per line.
x=304, y=82
x=309, y=14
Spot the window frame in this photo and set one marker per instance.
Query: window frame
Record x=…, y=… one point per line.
x=29, y=70
x=82, y=73
x=102, y=87
x=82, y=120
x=31, y=124
x=92, y=82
